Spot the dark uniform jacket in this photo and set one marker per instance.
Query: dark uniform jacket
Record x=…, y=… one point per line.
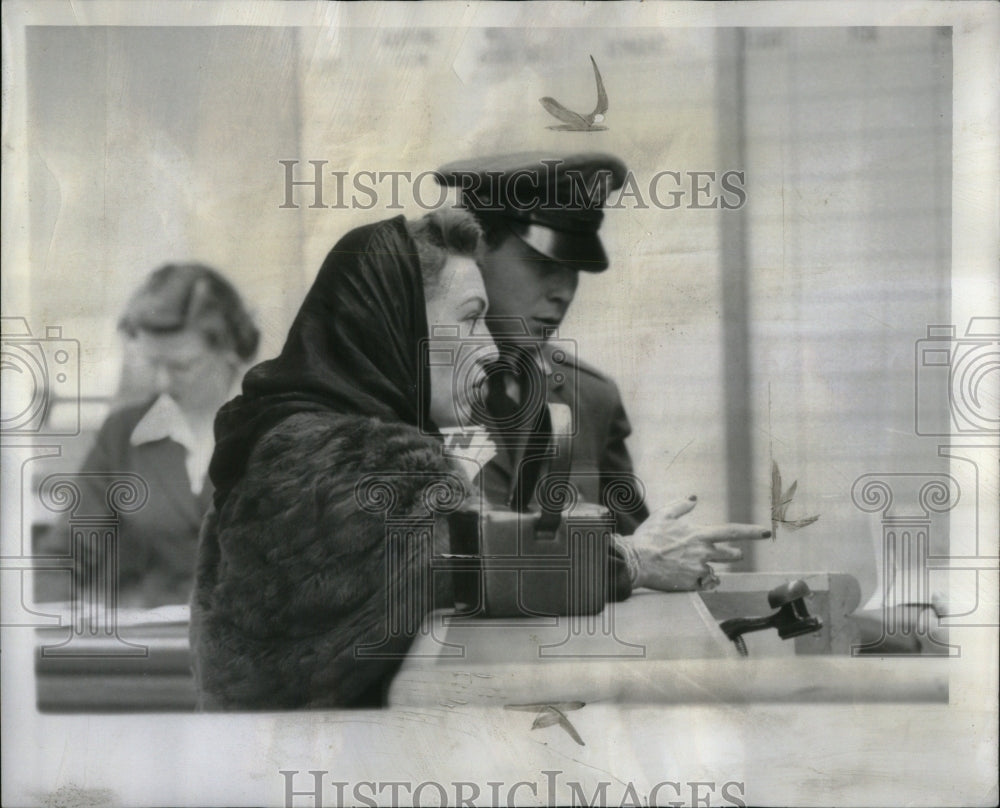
x=600, y=468
x=157, y=543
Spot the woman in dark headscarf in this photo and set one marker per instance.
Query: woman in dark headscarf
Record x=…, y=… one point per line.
x=296, y=577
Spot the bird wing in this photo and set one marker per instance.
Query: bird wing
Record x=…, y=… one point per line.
x=541, y=705
x=786, y=498
x=777, y=511
x=566, y=706
x=570, y=729
x=547, y=717
x=795, y=524
x=559, y=111
x=602, y=96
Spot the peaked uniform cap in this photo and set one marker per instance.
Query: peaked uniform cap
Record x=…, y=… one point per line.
x=553, y=203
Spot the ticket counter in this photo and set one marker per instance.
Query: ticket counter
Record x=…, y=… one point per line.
x=652, y=647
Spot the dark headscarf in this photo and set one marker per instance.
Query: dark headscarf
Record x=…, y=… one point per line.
x=353, y=348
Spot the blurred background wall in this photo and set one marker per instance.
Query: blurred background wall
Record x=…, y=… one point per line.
x=784, y=330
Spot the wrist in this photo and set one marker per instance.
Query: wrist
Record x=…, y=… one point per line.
x=632, y=560
x=642, y=558
x=654, y=570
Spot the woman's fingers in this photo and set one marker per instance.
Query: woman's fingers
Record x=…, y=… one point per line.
x=677, y=509
x=674, y=556
x=714, y=552
x=708, y=579
x=732, y=532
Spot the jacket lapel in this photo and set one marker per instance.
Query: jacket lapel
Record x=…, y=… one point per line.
x=501, y=475
x=162, y=464
x=561, y=381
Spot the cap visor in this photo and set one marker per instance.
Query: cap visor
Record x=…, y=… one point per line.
x=583, y=250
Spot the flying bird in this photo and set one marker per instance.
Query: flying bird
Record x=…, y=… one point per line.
x=780, y=500
x=552, y=714
x=574, y=121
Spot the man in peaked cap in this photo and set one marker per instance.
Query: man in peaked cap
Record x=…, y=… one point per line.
x=541, y=214
x=552, y=204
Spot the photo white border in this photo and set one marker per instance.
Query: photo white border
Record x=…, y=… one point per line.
x=785, y=754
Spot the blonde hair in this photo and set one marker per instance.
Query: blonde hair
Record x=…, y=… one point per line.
x=181, y=296
x=449, y=231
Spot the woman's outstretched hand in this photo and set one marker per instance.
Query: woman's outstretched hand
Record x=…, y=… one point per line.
x=674, y=555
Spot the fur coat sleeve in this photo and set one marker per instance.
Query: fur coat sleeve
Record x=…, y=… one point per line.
x=310, y=590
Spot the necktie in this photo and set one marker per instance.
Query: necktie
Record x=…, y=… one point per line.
x=523, y=427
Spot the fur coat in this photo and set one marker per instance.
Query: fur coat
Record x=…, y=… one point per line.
x=294, y=576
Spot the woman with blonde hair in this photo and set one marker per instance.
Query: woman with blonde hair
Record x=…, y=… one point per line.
x=190, y=331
